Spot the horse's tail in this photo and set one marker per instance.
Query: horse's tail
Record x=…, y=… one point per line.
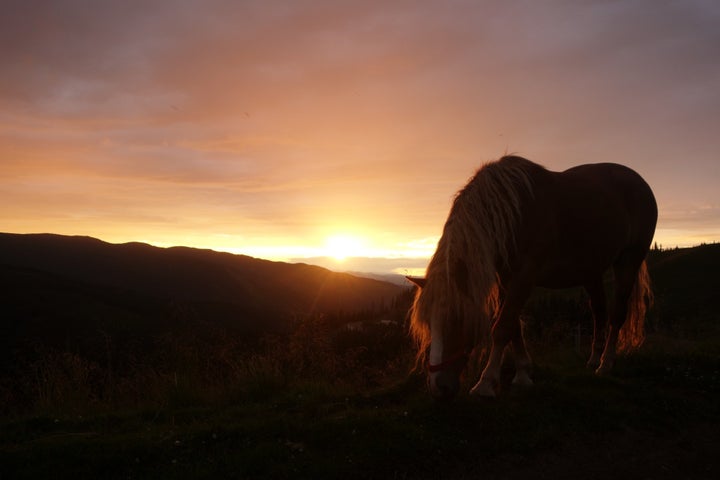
x=632, y=333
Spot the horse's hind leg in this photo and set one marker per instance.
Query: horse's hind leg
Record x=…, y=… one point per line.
x=523, y=364
x=626, y=270
x=598, y=305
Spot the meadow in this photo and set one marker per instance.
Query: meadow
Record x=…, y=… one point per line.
x=338, y=399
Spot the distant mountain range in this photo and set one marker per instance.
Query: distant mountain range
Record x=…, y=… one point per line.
x=393, y=278
x=75, y=283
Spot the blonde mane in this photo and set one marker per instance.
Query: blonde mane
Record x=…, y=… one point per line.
x=478, y=238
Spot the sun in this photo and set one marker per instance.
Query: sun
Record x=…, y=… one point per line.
x=340, y=247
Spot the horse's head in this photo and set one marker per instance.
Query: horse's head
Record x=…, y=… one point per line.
x=442, y=346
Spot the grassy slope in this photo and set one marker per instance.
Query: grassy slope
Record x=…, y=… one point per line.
x=656, y=418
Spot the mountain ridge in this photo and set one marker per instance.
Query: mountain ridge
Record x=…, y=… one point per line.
x=192, y=276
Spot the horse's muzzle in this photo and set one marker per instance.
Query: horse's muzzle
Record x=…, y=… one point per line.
x=444, y=385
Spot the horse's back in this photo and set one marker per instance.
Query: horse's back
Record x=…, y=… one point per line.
x=613, y=178
x=604, y=189
x=583, y=218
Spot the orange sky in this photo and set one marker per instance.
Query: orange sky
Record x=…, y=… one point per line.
x=267, y=127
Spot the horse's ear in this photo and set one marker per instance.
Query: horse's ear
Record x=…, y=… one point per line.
x=418, y=281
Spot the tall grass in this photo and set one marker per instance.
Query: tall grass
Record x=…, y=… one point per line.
x=215, y=368
x=206, y=365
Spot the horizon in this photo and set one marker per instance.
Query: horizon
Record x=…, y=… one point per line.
x=400, y=266
x=337, y=133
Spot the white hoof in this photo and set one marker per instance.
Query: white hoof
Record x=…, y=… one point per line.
x=483, y=388
x=593, y=362
x=603, y=369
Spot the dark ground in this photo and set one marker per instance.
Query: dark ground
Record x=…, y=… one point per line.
x=657, y=417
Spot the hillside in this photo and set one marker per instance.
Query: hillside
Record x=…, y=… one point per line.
x=193, y=275
x=58, y=289
x=686, y=284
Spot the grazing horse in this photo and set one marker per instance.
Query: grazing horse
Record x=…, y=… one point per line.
x=517, y=225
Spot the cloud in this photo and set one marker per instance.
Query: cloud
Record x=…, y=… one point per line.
x=695, y=217
x=436, y=75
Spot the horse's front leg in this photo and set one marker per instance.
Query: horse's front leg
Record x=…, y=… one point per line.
x=490, y=377
x=505, y=330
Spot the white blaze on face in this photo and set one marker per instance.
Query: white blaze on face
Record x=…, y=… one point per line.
x=436, y=343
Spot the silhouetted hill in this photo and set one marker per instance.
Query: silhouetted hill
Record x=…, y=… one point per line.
x=193, y=274
x=52, y=282
x=686, y=284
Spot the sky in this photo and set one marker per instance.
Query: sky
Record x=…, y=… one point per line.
x=318, y=130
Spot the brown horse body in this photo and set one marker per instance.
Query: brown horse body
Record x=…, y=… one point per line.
x=515, y=226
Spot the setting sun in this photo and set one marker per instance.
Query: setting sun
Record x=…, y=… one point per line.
x=340, y=247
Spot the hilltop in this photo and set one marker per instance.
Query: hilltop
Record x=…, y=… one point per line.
x=189, y=275
x=61, y=290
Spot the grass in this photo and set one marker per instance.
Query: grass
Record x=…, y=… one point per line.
x=656, y=417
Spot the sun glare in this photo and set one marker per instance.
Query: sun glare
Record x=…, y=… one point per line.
x=340, y=247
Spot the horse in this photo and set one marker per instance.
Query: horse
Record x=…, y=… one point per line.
x=517, y=225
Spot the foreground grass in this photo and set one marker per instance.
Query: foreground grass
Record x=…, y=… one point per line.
x=657, y=417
